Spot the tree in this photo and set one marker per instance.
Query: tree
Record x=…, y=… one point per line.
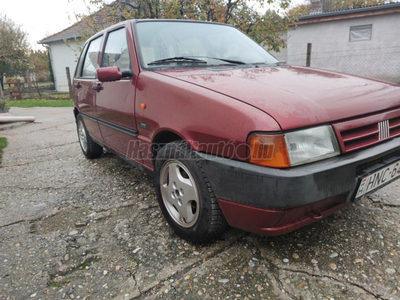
x=333, y=5
x=38, y=68
x=264, y=29
x=39, y=65
x=328, y=5
x=300, y=10
x=50, y=67
x=13, y=49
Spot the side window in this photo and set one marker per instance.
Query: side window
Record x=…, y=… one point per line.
x=78, y=71
x=116, y=53
x=90, y=62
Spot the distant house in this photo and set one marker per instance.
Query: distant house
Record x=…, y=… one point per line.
x=362, y=41
x=63, y=48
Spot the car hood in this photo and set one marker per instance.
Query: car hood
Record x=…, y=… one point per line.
x=296, y=96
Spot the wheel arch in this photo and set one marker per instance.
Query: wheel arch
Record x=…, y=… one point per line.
x=161, y=139
x=207, y=220
x=76, y=112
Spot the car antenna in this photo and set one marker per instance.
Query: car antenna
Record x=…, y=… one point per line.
x=183, y=11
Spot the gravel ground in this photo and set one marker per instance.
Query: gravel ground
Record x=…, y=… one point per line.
x=71, y=228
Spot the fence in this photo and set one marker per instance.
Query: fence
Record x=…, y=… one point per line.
x=380, y=63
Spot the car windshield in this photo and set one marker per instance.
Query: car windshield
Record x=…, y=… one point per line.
x=196, y=44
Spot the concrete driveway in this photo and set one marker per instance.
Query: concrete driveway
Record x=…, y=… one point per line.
x=71, y=228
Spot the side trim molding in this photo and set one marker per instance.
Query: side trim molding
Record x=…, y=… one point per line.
x=116, y=127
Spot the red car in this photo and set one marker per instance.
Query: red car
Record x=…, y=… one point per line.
x=232, y=135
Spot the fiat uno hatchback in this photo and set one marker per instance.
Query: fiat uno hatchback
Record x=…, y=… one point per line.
x=232, y=135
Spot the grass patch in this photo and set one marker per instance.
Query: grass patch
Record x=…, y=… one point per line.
x=3, y=144
x=40, y=103
x=84, y=265
x=59, y=283
x=54, y=284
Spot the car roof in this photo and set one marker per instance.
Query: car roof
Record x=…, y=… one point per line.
x=133, y=21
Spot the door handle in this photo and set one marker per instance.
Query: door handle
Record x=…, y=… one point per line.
x=97, y=87
x=77, y=85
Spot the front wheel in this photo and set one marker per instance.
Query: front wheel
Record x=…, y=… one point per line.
x=185, y=196
x=89, y=147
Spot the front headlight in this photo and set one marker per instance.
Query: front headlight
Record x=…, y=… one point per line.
x=292, y=148
x=311, y=144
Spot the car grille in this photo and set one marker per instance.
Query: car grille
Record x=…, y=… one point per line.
x=363, y=132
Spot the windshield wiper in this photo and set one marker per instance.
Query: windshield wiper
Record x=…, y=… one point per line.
x=177, y=59
x=231, y=61
x=236, y=62
x=278, y=63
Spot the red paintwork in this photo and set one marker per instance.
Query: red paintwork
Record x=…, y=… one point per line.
x=277, y=222
x=115, y=102
x=109, y=74
x=205, y=106
x=202, y=117
x=84, y=100
x=297, y=97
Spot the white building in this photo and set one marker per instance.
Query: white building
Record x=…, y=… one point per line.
x=363, y=41
x=65, y=46
x=64, y=51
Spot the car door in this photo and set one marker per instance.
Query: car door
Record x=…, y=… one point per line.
x=115, y=100
x=84, y=79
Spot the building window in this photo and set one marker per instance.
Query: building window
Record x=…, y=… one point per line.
x=360, y=33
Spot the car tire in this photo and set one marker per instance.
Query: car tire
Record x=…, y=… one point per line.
x=89, y=147
x=185, y=195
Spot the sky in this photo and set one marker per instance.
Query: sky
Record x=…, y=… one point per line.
x=42, y=18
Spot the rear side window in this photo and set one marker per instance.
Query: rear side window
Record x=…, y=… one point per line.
x=90, y=62
x=80, y=62
x=116, y=53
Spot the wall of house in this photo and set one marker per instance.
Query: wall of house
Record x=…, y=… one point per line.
x=63, y=56
x=331, y=49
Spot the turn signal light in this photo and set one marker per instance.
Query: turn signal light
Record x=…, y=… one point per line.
x=268, y=150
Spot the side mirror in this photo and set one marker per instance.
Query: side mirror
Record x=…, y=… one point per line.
x=109, y=74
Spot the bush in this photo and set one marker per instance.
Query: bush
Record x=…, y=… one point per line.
x=3, y=106
x=3, y=144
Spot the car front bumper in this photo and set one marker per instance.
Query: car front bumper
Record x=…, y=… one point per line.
x=276, y=201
